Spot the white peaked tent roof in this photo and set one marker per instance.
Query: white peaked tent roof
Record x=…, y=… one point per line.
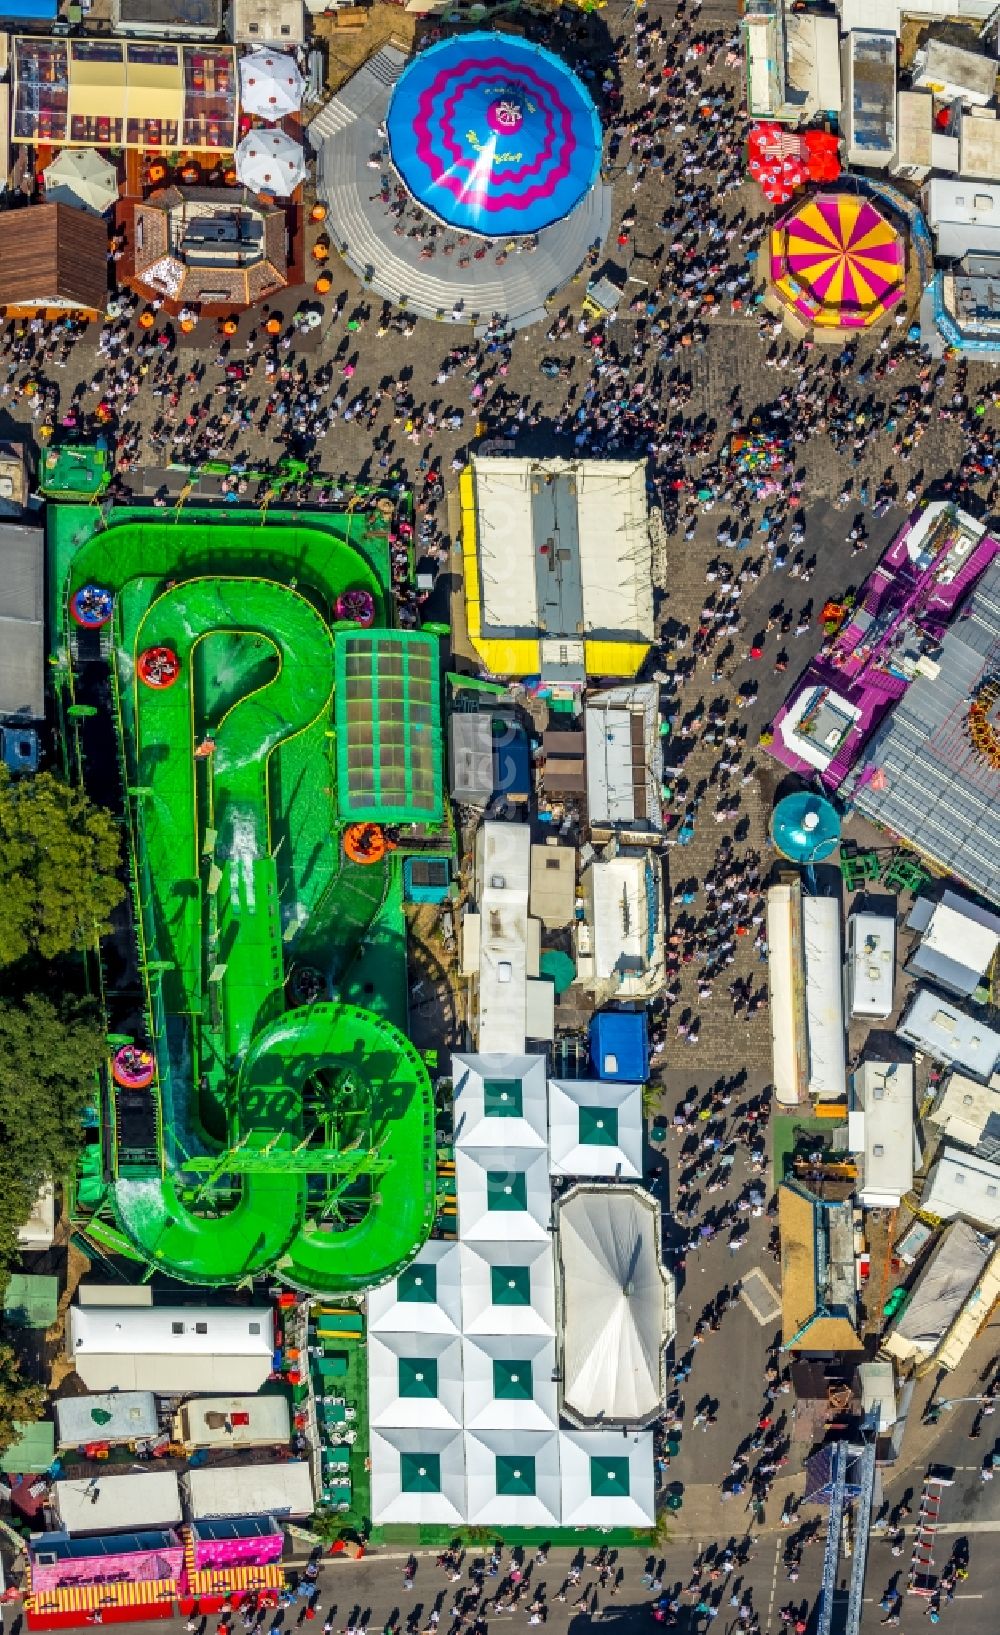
x=508, y=1288
x=500, y=1101
x=269, y=161
x=617, y=1305
x=503, y=1194
x=509, y=1383
x=271, y=85
x=415, y=1380
x=418, y=1476
x=595, y=1128
x=512, y=1478
x=426, y=1298
x=82, y=178
x=607, y=1479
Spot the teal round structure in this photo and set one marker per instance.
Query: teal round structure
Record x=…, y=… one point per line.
x=805, y=828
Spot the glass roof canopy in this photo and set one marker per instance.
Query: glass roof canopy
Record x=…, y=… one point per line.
x=388, y=725
x=124, y=93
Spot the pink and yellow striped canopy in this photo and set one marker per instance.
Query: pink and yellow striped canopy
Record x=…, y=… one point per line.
x=837, y=261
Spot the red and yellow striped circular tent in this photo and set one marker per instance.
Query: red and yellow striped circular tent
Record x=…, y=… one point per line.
x=836, y=261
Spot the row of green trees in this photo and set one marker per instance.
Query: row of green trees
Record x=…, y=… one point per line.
x=59, y=884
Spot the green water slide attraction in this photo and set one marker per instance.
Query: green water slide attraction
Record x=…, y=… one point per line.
x=296, y=1141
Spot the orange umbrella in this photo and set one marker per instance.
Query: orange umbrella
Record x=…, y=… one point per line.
x=147, y=319
x=229, y=326
x=273, y=326
x=318, y=212
x=321, y=251
x=324, y=284
x=187, y=324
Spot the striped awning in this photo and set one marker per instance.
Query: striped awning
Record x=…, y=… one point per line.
x=90, y=1597
x=222, y=1580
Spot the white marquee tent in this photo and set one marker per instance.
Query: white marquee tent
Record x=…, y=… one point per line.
x=510, y=1383
x=595, y=1128
x=508, y=1288
x=502, y=1195
x=500, y=1101
x=513, y=1478
x=607, y=1481
x=415, y=1380
x=617, y=1305
x=424, y=1299
x=418, y=1476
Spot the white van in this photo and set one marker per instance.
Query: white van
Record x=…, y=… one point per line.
x=871, y=964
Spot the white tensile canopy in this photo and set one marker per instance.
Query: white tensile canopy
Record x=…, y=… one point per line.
x=500, y=1101
x=617, y=1304
x=415, y=1380
x=503, y=1194
x=418, y=1476
x=510, y=1383
x=607, y=1479
x=271, y=85
x=82, y=178
x=508, y=1288
x=513, y=1478
x=595, y=1128
x=425, y=1298
x=268, y=161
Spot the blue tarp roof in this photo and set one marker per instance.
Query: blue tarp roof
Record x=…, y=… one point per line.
x=619, y=1046
x=30, y=11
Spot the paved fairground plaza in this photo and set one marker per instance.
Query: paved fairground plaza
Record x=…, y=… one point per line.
x=501, y=627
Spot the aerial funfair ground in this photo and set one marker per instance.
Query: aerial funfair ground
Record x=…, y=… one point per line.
x=280, y=750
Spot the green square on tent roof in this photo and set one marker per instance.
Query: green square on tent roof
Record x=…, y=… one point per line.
x=506, y=1189
x=512, y=1381
x=387, y=718
x=502, y=1098
x=516, y=1475
x=608, y=1478
x=599, y=1126
x=420, y=1472
x=510, y=1285
x=418, y=1285
x=418, y=1377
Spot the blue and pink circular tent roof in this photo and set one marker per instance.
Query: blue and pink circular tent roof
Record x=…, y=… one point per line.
x=494, y=135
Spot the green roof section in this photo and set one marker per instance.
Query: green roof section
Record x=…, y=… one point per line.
x=512, y=1381
x=418, y=1377
x=515, y=1475
x=420, y=1472
x=510, y=1285
x=506, y=1190
x=33, y=1450
x=598, y=1126
x=502, y=1098
x=387, y=715
x=418, y=1285
x=609, y=1478
x=31, y=1300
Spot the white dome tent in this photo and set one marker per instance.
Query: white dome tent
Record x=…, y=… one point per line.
x=503, y=1193
x=513, y=1478
x=424, y=1299
x=510, y=1383
x=616, y=1303
x=418, y=1476
x=271, y=85
x=500, y=1101
x=415, y=1381
x=269, y=161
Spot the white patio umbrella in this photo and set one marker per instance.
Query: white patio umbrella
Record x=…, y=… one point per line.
x=81, y=178
x=270, y=84
x=270, y=162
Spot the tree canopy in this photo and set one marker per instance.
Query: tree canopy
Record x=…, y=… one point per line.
x=49, y=1053
x=59, y=856
x=21, y=1401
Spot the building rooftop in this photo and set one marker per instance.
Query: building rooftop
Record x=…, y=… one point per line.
x=959, y=942
x=880, y=1131
x=53, y=253
x=962, y=1183
x=388, y=727
x=921, y=775
x=208, y=245
x=818, y=1288
x=948, y=1034
x=624, y=759
x=558, y=566
x=870, y=89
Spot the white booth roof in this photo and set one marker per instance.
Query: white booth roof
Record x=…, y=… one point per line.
x=508, y=1288
x=607, y=1479
x=513, y=1478
x=425, y=1298
x=117, y=1504
x=595, y=1128
x=418, y=1477
x=500, y=1101
x=510, y=1383
x=503, y=1194
x=415, y=1380
x=172, y=1349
